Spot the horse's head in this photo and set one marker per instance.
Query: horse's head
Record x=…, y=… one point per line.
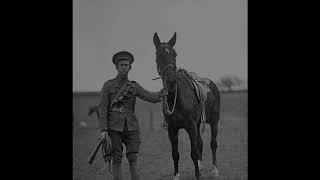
x=166, y=58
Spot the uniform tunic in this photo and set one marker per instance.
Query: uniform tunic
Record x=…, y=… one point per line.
x=109, y=120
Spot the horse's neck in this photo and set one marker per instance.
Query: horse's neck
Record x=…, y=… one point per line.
x=185, y=96
x=171, y=92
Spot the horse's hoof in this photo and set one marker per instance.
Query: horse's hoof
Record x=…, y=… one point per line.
x=176, y=177
x=215, y=171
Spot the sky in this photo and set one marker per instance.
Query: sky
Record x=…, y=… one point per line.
x=211, y=38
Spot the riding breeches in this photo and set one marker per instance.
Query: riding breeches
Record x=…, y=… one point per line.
x=131, y=139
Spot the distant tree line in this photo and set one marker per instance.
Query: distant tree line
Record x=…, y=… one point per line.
x=229, y=82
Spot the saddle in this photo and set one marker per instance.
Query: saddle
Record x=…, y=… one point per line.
x=201, y=88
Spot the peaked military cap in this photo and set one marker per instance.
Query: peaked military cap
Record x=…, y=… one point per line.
x=122, y=55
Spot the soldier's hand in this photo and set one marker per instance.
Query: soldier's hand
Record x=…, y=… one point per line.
x=105, y=137
x=163, y=92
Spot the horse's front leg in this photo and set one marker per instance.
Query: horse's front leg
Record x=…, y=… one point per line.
x=173, y=137
x=193, y=135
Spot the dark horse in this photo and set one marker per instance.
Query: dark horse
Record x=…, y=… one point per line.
x=182, y=109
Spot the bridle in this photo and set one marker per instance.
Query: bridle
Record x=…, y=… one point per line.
x=165, y=105
x=161, y=71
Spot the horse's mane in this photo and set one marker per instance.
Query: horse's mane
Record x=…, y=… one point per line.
x=183, y=76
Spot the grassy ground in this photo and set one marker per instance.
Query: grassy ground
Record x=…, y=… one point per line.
x=155, y=160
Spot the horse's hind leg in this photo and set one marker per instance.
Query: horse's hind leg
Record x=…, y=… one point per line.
x=173, y=137
x=214, y=144
x=193, y=135
x=200, y=146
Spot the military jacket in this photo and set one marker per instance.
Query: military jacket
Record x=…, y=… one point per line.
x=113, y=120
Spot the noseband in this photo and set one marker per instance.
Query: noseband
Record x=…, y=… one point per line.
x=165, y=68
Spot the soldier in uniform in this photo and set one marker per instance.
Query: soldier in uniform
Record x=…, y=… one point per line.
x=117, y=120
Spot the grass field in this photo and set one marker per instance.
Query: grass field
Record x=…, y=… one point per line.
x=155, y=162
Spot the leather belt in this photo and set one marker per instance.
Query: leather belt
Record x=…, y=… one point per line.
x=121, y=109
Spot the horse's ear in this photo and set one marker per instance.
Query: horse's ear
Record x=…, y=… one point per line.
x=172, y=41
x=156, y=40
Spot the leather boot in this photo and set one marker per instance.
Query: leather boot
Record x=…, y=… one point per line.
x=134, y=171
x=116, y=171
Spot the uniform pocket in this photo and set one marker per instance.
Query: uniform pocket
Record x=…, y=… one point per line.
x=112, y=93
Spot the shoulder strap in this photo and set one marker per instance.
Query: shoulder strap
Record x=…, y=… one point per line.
x=116, y=97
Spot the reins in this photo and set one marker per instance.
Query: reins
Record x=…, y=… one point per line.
x=166, y=108
x=165, y=102
x=157, y=78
